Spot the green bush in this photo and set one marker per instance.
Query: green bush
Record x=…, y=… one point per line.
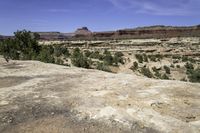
x=103, y=67
x=178, y=66
x=146, y=72
x=46, y=55
x=95, y=55
x=176, y=57
x=152, y=58
x=164, y=76
x=158, y=75
x=139, y=57
x=57, y=51
x=88, y=53
x=108, y=59
x=189, y=65
x=118, y=58
x=167, y=69
x=119, y=54
x=23, y=46
x=194, y=75
x=155, y=69
x=184, y=58
x=135, y=66
x=159, y=56
x=145, y=57
x=78, y=59
x=172, y=66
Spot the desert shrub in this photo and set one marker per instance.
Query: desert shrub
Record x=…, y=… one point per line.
x=119, y=54
x=146, y=72
x=184, y=58
x=152, y=58
x=95, y=55
x=189, y=66
x=46, y=55
x=135, y=66
x=139, y=57
x=106, y=52
x=178, y=66
x=118, y=58
x=159, y=56
x=76, y=52
x=192, y=60
x=145, y=57
x=172, y=66
x=108, y=59
x=78, y=59
x=176, y=57
x=175, y=61
x=57, y=51
x=155, y=69
x=103, y=67
x=164, y=76
x=194, y=75
x=65, y=52
x=87, y=53
x=167, y=69
x=8, y=50
x=158, y=75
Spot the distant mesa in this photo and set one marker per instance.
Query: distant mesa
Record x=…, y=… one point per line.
x=157, y=31
x=83, y=31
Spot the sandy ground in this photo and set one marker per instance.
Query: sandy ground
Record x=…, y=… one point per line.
x=38, y=97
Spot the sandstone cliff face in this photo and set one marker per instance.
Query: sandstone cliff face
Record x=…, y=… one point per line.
x=147, y=32
x=144, y=32
x=162, y=32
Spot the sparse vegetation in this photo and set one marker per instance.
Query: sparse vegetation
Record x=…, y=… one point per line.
x=146, y=72
x=194, y=75
x=164, y=76
x=78, y=59
x=25, y=47
x=178, y=66
x=103, y=67
x=135, y=66
x=139, y=57
x=167, y=69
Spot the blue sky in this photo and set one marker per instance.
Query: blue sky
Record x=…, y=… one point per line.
x=97, y=15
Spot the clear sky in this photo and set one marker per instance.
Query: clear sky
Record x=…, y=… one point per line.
x=97, y=15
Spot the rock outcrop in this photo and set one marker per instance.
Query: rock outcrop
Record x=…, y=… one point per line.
x=61, y=99
x=84, y=31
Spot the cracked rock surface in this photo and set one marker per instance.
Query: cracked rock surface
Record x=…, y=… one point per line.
x=38, y=97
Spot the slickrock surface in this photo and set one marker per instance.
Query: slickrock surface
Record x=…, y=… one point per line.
x=38, y=97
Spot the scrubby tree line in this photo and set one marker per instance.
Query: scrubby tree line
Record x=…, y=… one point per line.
x=25, y=46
